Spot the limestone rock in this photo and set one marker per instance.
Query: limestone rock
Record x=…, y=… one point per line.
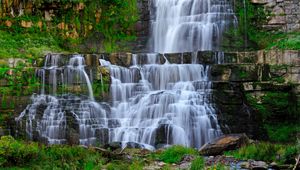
x=8, y=23
x=259, y=1
x=224, y=143
x=26, y=24
x=259, y=165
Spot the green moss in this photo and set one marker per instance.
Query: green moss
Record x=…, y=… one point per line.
x=250, y=35
x=27, y=45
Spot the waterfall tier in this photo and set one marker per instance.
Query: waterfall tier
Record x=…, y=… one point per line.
x=189, y=25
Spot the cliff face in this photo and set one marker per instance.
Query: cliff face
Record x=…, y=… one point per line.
x=283, y=15
x=87, y=26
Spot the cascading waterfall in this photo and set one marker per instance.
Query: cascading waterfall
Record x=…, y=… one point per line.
x=152, y=102
x=189, y=25
x=50, y=110
x=169, y=101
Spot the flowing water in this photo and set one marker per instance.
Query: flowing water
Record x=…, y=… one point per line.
x=152, y=102
x=165, y=104
x=47, y=115
x=189, y=25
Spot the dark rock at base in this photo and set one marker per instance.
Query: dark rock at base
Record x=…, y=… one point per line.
x=102, y=135
x=134, y=145
x=224, y=143
x=259, y=165
x=73, y=137
x=113, y=145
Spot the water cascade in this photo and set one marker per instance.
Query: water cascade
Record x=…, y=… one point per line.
x=152, y=102
x=52, y=112
x=189, y=25
x=161, y=103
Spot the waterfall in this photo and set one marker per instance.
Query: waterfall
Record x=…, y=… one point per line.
x=154, y=102
x=162, y=104
x=57, y=116
x=189, y=25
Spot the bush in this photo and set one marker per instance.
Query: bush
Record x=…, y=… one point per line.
x=198, y=164
x=266, y=152
x=13, y=152
x=174, y=154
x=282, y=132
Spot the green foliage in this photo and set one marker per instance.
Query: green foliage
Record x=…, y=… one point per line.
x=279, y=113
x=13, y=152
x=273, y=104
x=107, y=23
x=198, y=164
x=174, y=154
x=19, y=80
x=284, y=132
x=266, y=152
x=117, y=165
x=250, y=35
x=14, y=45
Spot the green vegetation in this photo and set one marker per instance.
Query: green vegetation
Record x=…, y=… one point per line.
x=27, y=45
x=282, y=132
x=279, y=113
x=267, y=152
x=21, y=154
x=81, y=26
x=174, y=154
x=198, y=164
x=250, y=35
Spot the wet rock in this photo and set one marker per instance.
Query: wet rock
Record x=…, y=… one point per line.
x=162, y=134
x=73, y=137
x=102, y=135
x=245, y=165
x=224, y=143
x=259, y=165
x=113, y=145
x=134, y=145
x=274, y=166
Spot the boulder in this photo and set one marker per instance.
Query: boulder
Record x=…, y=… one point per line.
x=259, y=165
x=113, y=145
x=224, y=143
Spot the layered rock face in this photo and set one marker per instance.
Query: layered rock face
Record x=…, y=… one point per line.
x=282, y=15
x=237, y=77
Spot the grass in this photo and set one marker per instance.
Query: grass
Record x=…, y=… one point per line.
x=174, y=154
x=28, y=155
x=283, y=132
x=267, y=152
x=27, y=45
x=198, y=164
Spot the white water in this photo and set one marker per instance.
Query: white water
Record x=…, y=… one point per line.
x=49, y=111
x=189, y=25
x=148, y=98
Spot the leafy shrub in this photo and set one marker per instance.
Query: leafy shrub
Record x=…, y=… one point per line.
x=266, y=152
x=13, y=152
x=174, y=154
x=282, y=132
x=198, y=164
x=289, y=154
